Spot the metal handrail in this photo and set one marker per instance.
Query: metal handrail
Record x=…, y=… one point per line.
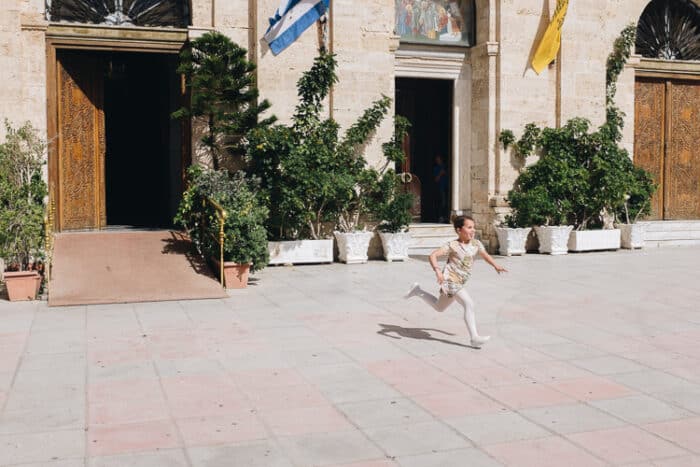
x=49, y=219
x=221, y=217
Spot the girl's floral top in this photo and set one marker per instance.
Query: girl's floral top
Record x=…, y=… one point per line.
x=458, y=268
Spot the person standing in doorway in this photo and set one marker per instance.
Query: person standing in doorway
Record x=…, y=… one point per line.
x=454, y=276
x=440, y=182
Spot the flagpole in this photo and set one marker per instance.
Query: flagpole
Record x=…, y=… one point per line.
x=329, y=38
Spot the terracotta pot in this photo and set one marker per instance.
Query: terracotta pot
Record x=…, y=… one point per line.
x=22, y=285
x=235, y=275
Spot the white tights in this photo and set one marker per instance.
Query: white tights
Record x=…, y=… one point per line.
x=442, y=303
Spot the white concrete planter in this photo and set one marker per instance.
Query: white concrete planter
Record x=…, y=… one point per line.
x=301, y=251
x=353, y=246
x=553, y=238
x=395, y=245
x=511, y=241
x=591, y=240
x=632, y=235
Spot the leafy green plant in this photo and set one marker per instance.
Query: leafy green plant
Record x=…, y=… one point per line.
x=244, y=227
x=22, y=193
x=582, y=177
x=224, y=98
x=387, y=200
x=312, y=178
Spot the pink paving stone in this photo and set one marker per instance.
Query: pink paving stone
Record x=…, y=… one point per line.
x=128, y=411
x=458, y=363
x=543, y=452
x=592, y=388
x=374, y=463
x=106, y=391
x=685, y=432
x=489, y=376
x=428, y=384
x=624, y=345
x=138, y=354
x=233, y=428
x=688, y=372
x=3, y=398
x=526, y=395
x=512, y=356
x=290, y=396
x=686, y=461
x=252, y=380
x=305, y=420
x=457, y=404
x=548, y=372
x=626, y=445
x=394, y=371
x=135, y=437
x=203, y=395
x=173, y=344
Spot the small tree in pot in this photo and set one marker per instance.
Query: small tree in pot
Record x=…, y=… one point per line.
x=245, y=238
x=22, y=210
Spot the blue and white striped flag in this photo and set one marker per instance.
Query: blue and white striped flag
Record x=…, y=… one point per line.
x=292, y=18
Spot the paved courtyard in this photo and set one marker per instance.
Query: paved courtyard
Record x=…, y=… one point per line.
x=594, y=360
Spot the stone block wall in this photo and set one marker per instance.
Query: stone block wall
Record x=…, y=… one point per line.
x=509, y=91
x=23, y=64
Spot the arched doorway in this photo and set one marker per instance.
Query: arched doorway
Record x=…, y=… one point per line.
x=667, y=106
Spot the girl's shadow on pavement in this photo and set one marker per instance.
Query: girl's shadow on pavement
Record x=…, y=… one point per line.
x=416, y=333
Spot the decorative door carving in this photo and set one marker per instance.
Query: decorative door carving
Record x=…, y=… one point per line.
x=649, y=135
x=81, y=143
x=667, y=128
x=682, y=187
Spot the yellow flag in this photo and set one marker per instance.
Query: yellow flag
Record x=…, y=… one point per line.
x=549, y=45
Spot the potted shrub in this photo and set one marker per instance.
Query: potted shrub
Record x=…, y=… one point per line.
x=511, y=238
x=22, y=209
x=365, y=188
x=634, y=204
x=312, y=178
x=544, y=193
x=245, y=237
x=391, y=205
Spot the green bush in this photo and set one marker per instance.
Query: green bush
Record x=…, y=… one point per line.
x=22, y=193
x=244, y=227
x=580, y=178
x=314, y=180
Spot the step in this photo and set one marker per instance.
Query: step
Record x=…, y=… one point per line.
x=671, y=226
x=671, y=233
x=427, y=237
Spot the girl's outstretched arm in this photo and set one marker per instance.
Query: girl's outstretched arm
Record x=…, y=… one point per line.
x=487, y=257
x=434, y=263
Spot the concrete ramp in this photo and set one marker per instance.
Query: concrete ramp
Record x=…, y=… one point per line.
x=128, y=266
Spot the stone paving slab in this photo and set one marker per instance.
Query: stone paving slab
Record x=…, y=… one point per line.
x=594, y=360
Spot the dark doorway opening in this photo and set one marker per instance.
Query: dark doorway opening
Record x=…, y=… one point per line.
x=427, y=104
x=143, y=160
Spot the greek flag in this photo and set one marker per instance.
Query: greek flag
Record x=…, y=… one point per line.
x=291, y=19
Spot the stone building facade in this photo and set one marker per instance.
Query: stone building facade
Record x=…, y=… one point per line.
x=489, y=84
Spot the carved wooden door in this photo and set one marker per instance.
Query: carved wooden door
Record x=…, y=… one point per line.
x=81, y=142
x=682, y=180
x=667, y=129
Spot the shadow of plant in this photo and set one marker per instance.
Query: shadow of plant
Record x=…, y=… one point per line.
x=180, y=244
x=416, y=333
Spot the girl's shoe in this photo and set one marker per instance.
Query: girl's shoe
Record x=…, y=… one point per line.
x=478, y=341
